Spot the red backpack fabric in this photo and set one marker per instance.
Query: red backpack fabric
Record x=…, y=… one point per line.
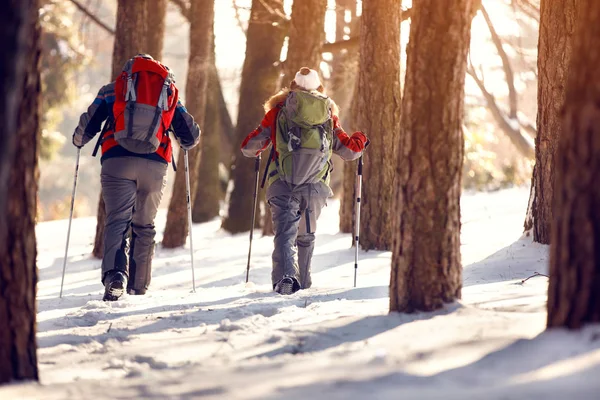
x=145, y=102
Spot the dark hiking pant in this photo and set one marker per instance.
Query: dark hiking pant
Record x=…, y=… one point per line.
x=132, y=188
x=294, y=233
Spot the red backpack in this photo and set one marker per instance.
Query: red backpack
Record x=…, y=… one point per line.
x=145, y=102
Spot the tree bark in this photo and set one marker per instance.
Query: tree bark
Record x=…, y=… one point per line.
x=557, y=22
x=19, y=109
x=426, y=266
x=208, y=191
x=130, y=39
x=307, y=34
x=379, y=107
x=574, y=290
x=156, y=10
x=201, y=31
x=259, y=81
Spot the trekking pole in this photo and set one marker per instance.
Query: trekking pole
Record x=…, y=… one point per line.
x=357, y=215
x=70, y=219
x=256, y=170
x=189, y=209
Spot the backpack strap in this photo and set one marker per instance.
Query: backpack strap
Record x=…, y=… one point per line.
x=131, y=98
x=162, y=105
x=101, y=138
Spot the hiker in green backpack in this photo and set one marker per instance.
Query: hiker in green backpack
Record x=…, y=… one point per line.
x=303, y=127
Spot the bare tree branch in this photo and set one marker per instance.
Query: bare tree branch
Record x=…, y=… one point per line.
x=510, y=76
x=91, y=15
x=529, y=9
x=236, y=8
x=354, y=42
x=511, y=127
x=184, y=7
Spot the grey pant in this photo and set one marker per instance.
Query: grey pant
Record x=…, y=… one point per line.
x=132, y=188
x=294, y=233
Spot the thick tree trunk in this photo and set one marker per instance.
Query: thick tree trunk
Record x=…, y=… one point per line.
x=201, y=28
x=378, y=114
x=557, y=21
x=130, y=39
x=574, y=290
x=426, y=266
x=307, y=34
x=156, y=10
x=19, y=108
x=259, y=81
x=209, y=191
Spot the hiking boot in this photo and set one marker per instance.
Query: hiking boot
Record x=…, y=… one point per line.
x=288, y=285
x=114, y=285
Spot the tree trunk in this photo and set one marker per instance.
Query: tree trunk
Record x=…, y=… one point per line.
x=259, y=81
x=426, y=266
x=156, y=10
x=574, y=290
x=130, y=39
x=557, y=21
x=201, y=31
x=208, y=191
x=19, y=109
x=379, y=106
x=307, y=34
x=348, y=199
x=343, y=88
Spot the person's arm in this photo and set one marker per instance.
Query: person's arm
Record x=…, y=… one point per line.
x=258, y=140
x=185, y=128
x=345, y=146
x=90, y=122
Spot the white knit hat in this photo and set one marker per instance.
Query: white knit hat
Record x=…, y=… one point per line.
x=308, y=79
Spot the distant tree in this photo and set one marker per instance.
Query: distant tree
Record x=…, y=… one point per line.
x=259, y=81
x=378, y=114
x=19, y=109
x=344, y=70
x=574, y=290
x=306, y=37
x=209, y=190
x=201, y=28
x=63, y=55
x=557, y=23
x=156, y=10
x=130, y=39
x=426, y=266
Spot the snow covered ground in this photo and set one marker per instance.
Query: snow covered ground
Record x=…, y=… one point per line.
x=236, y=341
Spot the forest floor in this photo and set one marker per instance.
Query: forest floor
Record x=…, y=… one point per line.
x=232, y=340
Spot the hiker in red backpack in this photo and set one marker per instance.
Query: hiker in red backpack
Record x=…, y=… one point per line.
x=303, y=126
x=138, y=109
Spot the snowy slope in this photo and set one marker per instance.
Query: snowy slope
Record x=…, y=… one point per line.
x=236, y=341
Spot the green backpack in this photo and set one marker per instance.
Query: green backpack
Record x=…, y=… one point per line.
x=304, y=139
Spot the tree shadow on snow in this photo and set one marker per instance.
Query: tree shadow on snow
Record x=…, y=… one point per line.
x=516, y=261
x=510, y=372
x=360, y=330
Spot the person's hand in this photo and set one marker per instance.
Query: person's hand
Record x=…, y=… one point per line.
x=363, y=138
x=78, y=141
